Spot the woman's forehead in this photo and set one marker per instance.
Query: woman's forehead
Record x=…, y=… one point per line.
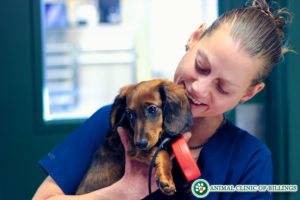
x=225, y=57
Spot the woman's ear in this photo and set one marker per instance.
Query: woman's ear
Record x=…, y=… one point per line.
x=196, y=35
x=253, y=91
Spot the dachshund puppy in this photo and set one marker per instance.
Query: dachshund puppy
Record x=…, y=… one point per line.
x=149, y=110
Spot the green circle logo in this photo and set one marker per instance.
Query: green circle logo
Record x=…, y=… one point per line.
x=200, y=188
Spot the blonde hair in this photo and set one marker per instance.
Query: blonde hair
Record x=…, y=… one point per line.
x=259, y=31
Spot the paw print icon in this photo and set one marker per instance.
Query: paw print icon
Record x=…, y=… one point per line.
x=200, y=188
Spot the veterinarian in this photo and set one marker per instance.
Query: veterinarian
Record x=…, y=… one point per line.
x=224, y=65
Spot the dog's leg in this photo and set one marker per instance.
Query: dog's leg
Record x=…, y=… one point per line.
x=163, y=174
x=163, y=167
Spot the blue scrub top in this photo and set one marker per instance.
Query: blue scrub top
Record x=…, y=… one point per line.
x=232, y=156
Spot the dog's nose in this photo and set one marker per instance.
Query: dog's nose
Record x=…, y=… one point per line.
x=142, y=143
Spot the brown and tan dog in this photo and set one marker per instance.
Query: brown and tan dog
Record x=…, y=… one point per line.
x=148, y=110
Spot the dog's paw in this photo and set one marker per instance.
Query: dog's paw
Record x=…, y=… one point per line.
x=166, y=186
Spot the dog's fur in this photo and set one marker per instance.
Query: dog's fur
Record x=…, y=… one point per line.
x=152, y=108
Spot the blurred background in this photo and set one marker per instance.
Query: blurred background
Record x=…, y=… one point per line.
x=61, y=60
x=94, y=47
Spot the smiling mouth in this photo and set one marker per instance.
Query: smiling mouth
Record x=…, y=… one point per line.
x=194, y=101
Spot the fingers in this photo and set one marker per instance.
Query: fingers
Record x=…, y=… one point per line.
x=187, y=136
x=123, y=136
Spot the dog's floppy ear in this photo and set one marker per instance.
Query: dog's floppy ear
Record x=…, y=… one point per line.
x=177, y=116
x=119, y=106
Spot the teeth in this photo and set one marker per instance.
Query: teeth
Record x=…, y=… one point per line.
x=192, y=99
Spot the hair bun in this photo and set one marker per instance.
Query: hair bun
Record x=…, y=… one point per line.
x=281, y=21
x=278, y=16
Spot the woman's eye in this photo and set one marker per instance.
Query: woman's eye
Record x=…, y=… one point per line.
x=200, y=69
x=152, y=109
x=220, y=89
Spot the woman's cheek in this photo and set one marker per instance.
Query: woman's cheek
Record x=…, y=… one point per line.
x=178, y=75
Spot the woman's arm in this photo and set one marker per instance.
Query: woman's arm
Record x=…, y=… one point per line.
x=133, y=185
x=49, y=190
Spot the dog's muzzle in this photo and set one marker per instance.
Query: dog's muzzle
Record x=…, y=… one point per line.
x=141, y=144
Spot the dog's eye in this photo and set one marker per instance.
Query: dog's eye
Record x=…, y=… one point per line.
x=152, y=109
x=129, y=114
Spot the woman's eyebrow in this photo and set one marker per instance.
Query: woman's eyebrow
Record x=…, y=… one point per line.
x=203, y=56
x=231, y=83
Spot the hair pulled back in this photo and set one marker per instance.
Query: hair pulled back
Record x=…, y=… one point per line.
x=259, y=31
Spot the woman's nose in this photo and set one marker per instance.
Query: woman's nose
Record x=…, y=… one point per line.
x=201, y=87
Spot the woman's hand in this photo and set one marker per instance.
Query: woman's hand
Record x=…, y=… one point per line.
x=134, y=183
x=132, y=186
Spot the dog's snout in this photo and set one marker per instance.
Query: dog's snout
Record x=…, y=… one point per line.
x=142, y=143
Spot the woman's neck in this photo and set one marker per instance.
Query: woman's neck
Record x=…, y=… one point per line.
x=204, y=128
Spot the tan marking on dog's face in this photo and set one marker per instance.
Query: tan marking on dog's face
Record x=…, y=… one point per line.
x=141, y=99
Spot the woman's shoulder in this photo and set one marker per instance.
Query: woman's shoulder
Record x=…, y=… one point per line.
x=83, y=142
x=245, y=141
x=102, y=112
x=99, y=120
x=233, y=155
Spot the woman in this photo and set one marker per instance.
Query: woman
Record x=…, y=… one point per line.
x=224, y=65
